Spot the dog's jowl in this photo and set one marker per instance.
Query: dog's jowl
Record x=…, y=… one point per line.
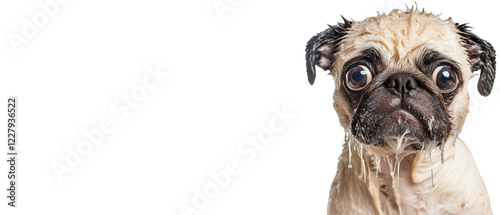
x=401, y=95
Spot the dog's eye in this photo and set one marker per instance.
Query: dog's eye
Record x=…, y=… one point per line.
x=445, y=78
x=358, y=77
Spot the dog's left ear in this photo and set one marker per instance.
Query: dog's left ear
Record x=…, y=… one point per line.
x=320, y=48
x=481, y=56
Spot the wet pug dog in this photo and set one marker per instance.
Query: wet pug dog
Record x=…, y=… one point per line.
x=401, y=95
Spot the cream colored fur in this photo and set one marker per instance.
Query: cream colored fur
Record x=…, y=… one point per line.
x=396, y=179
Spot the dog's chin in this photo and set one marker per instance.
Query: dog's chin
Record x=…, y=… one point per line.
x=400, y=130
x=402, y=124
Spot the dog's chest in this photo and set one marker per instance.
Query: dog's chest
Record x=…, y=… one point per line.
x=399, y=194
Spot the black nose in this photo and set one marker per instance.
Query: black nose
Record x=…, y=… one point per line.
x=401, y=84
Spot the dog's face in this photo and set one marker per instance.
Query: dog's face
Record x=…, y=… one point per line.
x=402, y=76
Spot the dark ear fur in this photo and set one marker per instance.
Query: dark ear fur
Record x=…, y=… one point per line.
x=481, y=56
x=320, y=48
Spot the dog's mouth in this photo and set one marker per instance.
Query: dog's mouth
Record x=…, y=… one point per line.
x=400, y=122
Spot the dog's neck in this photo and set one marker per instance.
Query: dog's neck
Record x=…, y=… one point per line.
x=396, y=180
x=400, y=158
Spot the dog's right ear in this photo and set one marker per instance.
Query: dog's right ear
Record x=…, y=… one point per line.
x=320, y=48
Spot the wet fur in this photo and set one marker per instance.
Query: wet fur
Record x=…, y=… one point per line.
x=390, y=174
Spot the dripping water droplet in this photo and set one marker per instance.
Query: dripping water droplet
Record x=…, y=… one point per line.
x=362, y=162
x=350, y=151
x=442, y=152
x=432, y=171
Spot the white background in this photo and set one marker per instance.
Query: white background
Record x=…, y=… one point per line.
x=226, y=78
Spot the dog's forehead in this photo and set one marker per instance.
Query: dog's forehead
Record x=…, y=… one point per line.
x=402, y=35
